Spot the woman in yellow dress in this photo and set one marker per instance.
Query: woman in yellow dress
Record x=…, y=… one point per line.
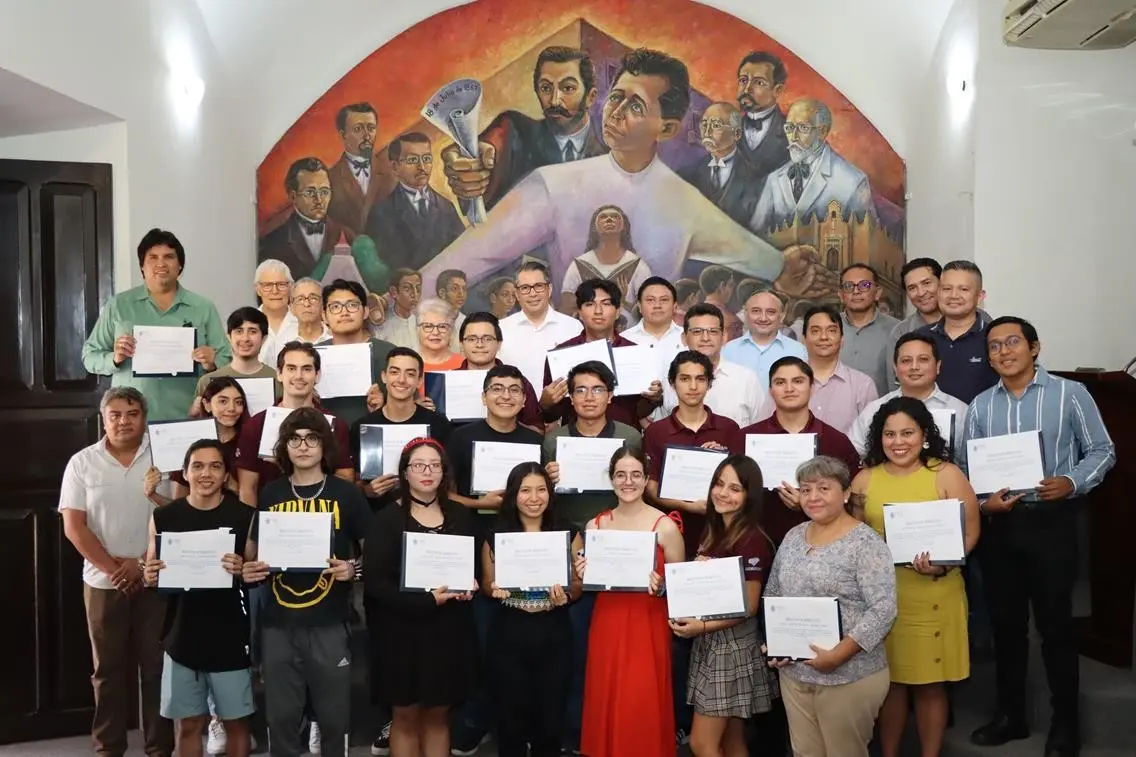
x=907, y=462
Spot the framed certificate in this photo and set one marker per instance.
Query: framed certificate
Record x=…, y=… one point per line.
x=527, y=560
x=431, y=561
x=300, y=542
x=937, y=528
x=170, y=440
x=619, y=560
x=193, y=559
x=706, y=589
x=687, y=472
x=1010, y=461
x=793, y=623
x=162, y=351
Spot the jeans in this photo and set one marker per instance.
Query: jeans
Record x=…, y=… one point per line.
x=580, y=615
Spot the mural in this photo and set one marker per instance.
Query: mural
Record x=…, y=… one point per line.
x=614, y=138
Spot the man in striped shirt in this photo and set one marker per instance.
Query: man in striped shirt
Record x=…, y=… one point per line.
x=1028, y=550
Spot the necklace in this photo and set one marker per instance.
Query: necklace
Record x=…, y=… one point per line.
x=423, y=503
x=296, y=494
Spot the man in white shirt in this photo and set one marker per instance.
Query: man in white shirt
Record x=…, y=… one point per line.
x=304, y=323
x=735, y=392
x=531, y=333
x=916, y=359
x=764, y=344
x=657, y=329
x=274, y=288
x=106, y=516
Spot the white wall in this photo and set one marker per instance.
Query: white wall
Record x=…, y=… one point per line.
x=191, y=173
x=1055, y=194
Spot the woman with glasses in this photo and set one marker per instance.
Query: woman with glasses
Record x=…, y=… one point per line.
x=435, y=335
x=628, y=701
x=423, y=644
x=530, y=633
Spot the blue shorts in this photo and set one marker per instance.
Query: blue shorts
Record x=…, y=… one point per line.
x=186, y=693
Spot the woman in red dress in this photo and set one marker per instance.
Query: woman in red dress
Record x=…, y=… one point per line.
x=628, y=700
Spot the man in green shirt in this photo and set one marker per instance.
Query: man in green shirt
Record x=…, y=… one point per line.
x=345, y=311
x=160, y=301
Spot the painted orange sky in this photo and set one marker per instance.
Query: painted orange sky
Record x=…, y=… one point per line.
x=398, y=77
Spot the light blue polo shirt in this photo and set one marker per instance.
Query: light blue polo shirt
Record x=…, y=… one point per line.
x=745, y=351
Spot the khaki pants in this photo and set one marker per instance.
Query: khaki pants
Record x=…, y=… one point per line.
x=833, y=721
x=126, y=646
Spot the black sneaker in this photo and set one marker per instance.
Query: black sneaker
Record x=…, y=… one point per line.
x=467, y=741
x=382, y=744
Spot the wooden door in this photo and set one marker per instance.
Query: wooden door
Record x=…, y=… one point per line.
x=56, y=266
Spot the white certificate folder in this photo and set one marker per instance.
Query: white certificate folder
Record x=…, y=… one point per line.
x=457, y=394
x=193, y=559
x=381, y=445
x=619, y=560
x=532, y=560
x=793, y=623
x=687, y=472
x=170, y=440
x=706, y=589
x=164, y=351
x=431, y=561
x=299, y=542
x=1010, y=461
x=937, y=528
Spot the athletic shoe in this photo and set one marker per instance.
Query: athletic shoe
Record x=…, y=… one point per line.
x=314, y=738
x=382, y=745
x=217, y=740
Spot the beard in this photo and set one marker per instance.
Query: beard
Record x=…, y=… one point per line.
x=797, y=153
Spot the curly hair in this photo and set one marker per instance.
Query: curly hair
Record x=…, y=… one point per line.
x=934, y=447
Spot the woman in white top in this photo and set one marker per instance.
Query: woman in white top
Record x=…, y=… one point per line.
x=610, y=256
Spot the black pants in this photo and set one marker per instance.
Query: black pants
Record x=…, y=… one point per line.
x=530, y=667
x=1029, y=560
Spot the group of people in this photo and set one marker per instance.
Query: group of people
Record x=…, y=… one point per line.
x=605, y=674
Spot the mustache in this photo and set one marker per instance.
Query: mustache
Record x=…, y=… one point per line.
x=557, y=110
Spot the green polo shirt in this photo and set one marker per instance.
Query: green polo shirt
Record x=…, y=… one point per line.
x=168, y=398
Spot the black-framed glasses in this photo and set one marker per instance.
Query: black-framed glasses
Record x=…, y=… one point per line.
x=423, y=467
x=306, y=299
x=413, y=160
x=311, y=441
x=852, y=286
x=530, y=288
x=352, y=306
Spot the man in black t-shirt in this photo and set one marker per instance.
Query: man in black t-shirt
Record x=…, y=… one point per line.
x=205, y=636
x=305, y=643
x=504, y=396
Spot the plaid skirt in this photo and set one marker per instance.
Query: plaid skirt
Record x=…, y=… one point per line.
x=728, y=673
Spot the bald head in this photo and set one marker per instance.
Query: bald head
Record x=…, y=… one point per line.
x=764, y=312
x=807, y=124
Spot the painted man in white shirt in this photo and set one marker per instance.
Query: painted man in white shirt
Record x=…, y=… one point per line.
x=552, y=206
x=399, y=326
x=735, y=392
x=538, y=327
x=916, y=359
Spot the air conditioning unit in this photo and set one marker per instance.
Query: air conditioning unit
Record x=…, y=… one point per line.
x=1070, y=24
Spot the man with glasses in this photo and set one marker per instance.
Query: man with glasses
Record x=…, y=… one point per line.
x=814, y=176
x=480, y=337
x=866, y=328
x=735, y=392
x=345, y=310
x=308, y=232
x=504, y=397
x=1028, y=550
x=400, y=326
x=960, y=333
x=414, y=223
x=598, y=301
x=305, y=618
x=538, y=327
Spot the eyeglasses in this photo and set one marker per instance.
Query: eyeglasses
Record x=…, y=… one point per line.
x=513, y=390
x=306, y=299
x=1009, y=343
x=413, y=160
x=584, y=391
x=311, y=441
x=441, y=328
x=354, y=306
x=530, y=288
x=423, y=467
x=700, y=332
x=852, y=286
x=481, y=340
x=312, y=193
x=273, y=286
x=802, y=129
x=634, y=476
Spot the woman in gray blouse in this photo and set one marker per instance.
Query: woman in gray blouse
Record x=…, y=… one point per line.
x=832, y=700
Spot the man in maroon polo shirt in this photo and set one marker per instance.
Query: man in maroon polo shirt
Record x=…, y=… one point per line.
x=298, y=367
x=480, y=336
x=598, y=301
x=690, y=424
x=790, y=387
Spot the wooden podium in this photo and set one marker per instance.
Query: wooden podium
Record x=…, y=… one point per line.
x=1106, y=635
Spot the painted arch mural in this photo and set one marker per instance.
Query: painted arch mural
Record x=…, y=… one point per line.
x=620, y=138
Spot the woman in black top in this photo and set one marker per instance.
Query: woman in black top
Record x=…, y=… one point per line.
x=423, y=644
x=529, y=662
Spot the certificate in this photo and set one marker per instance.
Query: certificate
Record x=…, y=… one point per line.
x=936, y=528
x=945, y=419
x=345, y=370
x=793, y=623
x=532, y=560
x=563, y=360
x=687, y=472
x=164, y=351
x=260, y=393
x=294, y=541
x=779, y=455
x=431, y=561
x=193, y=559
x=457, y=394
x=706, y=589
x=494, y=461
x=619, y=560
x=381, y=445
x=1012, y=461
x=170, y=440
x=273, y=417
x=584, y=461
x=637, y=367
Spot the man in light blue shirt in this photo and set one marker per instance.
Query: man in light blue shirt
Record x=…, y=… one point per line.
x=764, y=344
x=1028, y=549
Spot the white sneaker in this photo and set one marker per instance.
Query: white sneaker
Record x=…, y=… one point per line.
x=217, y=741
x=314, y=738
